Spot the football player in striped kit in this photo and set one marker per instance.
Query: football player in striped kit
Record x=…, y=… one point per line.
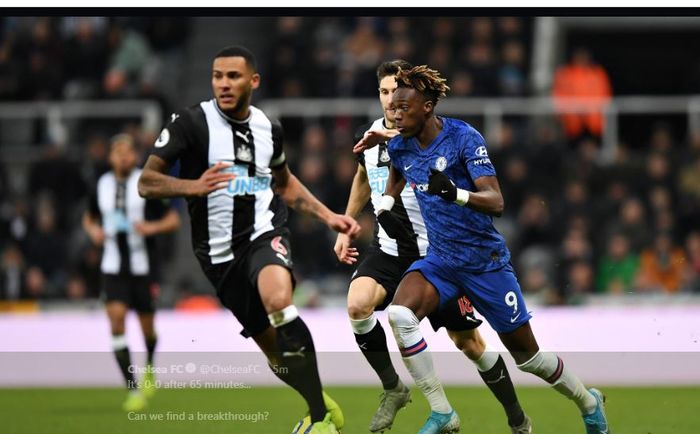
x=124, y=223
x=235, y=177
x=401, y=239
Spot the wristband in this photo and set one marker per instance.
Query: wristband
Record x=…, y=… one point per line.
x=462, y=197
x=385, y=204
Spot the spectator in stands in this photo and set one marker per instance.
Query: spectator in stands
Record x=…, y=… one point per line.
x=363, y=50
x=662, y=266
x=58, y=175
x=510, y=28
x=13, y=274
x=85, y=56
x=516, y=183
x=10, y=67
x=511, y=75
x=632, y=224
x=481, y=64
x=579, y=282
x=618, y=268
x=41, y=52
x=481, y=30
x=575, y=250
x=582, y=78
x=462, y=84
x=45, y=246
x=688, y=183
x=75, y=288
x=534, y=223
x=131, y=71
x=692, y=278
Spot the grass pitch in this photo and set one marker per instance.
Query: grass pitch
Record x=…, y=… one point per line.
x=275, y=410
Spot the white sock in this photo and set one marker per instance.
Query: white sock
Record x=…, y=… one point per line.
x=551, y=369
x=119, y=342
x=487, y=360
x=416, y=357
x=363, y=326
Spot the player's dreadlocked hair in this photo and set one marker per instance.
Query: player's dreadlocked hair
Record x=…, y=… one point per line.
x=425, y=81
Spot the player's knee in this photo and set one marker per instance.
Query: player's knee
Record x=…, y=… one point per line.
x=401, y=317
x=470, y=345
x=544, y=365
x=117, y=324
x=277, y=302
x=359, y=308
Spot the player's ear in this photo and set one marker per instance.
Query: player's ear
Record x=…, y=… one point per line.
x=255, y=81
x=428, y=106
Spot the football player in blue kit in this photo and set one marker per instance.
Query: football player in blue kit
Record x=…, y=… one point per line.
x=446, y=163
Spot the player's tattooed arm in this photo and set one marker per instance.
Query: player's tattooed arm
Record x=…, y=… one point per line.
x=154, y=183
x=299, y=198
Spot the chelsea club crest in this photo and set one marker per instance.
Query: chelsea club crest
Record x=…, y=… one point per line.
x=441, y=163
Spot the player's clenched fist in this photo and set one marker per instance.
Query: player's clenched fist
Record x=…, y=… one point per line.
x=440, y=184
x=344, y=224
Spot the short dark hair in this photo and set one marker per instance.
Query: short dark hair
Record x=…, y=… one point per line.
x=238, y=51
x=392, y=67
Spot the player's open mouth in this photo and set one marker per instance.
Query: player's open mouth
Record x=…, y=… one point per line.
x=226, y=98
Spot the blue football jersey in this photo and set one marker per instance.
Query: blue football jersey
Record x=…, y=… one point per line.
x=458, y=234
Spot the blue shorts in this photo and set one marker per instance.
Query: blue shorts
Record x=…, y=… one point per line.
x=495, y=294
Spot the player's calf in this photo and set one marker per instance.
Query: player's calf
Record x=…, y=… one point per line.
x=417, y=359
x=297, y=357
x=551, y=369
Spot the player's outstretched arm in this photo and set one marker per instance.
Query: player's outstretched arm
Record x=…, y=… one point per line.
x=154, y=183
x=359, y=195
x=299, y=198
x=373, y=138
x=487, y=198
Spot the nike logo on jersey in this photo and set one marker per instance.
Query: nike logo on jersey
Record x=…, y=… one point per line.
x=512, y=320
x=407, y=167
x=443, y=191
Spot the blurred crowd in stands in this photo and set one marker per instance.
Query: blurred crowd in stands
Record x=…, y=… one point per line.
x=575, y=227
x=50, y=58
x=338, y=57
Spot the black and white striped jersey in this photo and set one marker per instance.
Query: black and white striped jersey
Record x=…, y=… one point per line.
x=376, y=161
x=118, y=205
x=227, y=220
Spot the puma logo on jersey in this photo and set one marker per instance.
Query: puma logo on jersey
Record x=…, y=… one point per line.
x=299, y=353
x=243, y=136
x=501, y=377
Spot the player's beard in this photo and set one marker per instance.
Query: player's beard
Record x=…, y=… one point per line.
x=242, y=103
